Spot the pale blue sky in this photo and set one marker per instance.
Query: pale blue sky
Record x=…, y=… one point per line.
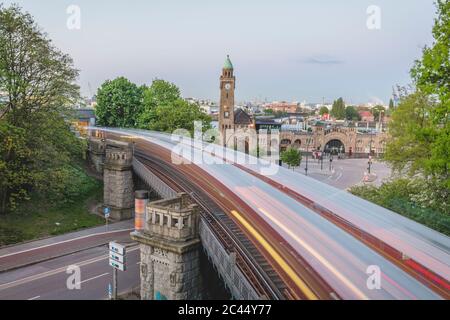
x=281, y=50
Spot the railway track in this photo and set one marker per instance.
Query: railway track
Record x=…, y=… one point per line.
x=250, y=261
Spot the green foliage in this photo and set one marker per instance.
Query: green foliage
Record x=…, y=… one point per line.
x=323, y=110
x=40, y=218
x=292, y=157
x=391, y=105
x=351, y=114
x=161, y=92
x=416, y=199
x=378, y=111
x=36, y=144
x=35, y=76
x=420, y=138
x=338, y=109
x=165, y=110
x=178, y=115
x=431, y=74
x=14, y=174
x=119, y=102
x=412, y=134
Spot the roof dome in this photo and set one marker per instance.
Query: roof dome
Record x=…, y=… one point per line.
x=228, y=64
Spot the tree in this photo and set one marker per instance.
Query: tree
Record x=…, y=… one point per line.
x=391, y=104
x=179, y=114
x=431, y=75
x=164, y=109
x=338, y=109
x=351, y=113
x=34, y=75
x=292, y=157
x=324, y=110
x=118, y=103
x=412, y=133
x=36, y=144
x=159, y=93
x=377, y=112
x=419, y=141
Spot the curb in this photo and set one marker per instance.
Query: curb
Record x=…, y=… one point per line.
x=26, y=264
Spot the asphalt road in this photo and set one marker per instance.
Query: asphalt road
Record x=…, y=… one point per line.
x=344, y=173
x=48, y=280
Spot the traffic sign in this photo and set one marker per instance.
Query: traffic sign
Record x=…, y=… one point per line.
x=117, y=265
x=117, y=248
x=117, y=257
x=107, y=212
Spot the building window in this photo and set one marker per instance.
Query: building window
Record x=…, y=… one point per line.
x=226, y=114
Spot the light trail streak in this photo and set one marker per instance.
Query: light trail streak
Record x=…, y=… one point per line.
x=289, y=271
x=319, y=257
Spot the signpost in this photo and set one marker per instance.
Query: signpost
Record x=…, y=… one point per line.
x=109, y=291
x=117, y=261
x=107, y=212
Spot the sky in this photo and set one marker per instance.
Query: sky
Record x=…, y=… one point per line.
x=292, y=50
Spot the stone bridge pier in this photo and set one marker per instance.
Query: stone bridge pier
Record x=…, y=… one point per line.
x=114, y=159
x=118, y=179
x=170, y=247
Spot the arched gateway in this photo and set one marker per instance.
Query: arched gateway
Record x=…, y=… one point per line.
x=334, y=146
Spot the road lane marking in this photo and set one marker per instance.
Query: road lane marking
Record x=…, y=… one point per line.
x=319, y=257
x=65, y=241
x=283, y=264
x=93, y=278
x=56, y=271
x=34, y=298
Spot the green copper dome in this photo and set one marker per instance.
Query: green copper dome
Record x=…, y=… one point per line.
x=228, y=64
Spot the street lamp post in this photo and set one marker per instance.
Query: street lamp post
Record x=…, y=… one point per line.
x=370, y=152
x=321, y=161
x=307, y=149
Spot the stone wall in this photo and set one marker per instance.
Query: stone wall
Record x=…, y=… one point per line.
x=118, y=179
x=170, y=244
x=356, y=143
x=97, y=149
x=169, y=275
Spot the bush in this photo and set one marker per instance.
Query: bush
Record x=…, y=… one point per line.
x=417, y=199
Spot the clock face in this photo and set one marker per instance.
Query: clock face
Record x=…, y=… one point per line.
x=228, y=86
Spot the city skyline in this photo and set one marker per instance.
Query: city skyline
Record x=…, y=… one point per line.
x=293, y=52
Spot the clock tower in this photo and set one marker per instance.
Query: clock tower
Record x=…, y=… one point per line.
x=226, y=110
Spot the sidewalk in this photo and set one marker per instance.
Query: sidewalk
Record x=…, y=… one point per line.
x=20, y=255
